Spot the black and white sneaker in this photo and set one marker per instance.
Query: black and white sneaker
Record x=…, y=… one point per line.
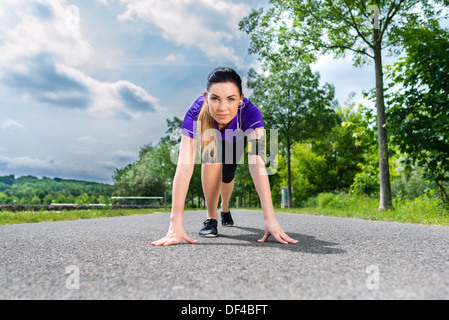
x=226, y=219
x=209, y=229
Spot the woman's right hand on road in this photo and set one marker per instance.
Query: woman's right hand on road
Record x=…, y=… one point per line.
x=175, y=235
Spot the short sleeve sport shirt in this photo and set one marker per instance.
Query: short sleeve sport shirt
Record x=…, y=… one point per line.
x=248, y=116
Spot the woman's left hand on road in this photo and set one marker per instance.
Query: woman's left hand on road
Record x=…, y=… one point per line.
x=272, y=228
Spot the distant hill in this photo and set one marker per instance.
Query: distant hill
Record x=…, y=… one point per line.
x=33, y=190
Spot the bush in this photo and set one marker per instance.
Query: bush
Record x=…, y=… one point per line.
x=366, y=182
x=424, y=209
x=409, y=183
x=329, y=200
x=309, y=173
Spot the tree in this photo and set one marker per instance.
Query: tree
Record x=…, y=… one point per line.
x=141, y=179
x=4, y=199
x=293, y=102
x=140, y=183
x=309, y=172
x=120, y=174
x=302, y=29
x=418, y=116
x=345, y=147
x=9, y=180
x=153, y=172
x=162, y=152
x=35, y=200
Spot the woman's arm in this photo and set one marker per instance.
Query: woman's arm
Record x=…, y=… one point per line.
x=184, y=171
x=261, y=182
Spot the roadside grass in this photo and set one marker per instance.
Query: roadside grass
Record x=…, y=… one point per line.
x=20, y=217
x=421, y=210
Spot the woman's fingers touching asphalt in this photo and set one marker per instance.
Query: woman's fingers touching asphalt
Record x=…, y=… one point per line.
x=171, y=240
x=281, y=238
x=190, y=240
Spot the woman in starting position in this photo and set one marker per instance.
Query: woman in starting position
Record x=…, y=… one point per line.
x=214, y=124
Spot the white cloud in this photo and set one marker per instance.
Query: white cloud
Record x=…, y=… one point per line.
x=11, y=125
x=14, y=163
x=41, y=57
x=124, y=135
x=86, y=139
x=210, y=25
x=126, y=155
x=121, y=98
x=37, y=32
x=170, y=57
x=106, y=2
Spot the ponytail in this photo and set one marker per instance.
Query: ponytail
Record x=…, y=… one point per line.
x=206, y=133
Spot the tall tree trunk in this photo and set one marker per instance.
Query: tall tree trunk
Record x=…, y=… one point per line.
x=289, y=180
x=384, y=168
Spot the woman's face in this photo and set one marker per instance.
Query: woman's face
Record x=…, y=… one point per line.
x=223, y=100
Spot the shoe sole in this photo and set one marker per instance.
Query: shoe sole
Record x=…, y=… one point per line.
x=227, y=225
x=209, y=235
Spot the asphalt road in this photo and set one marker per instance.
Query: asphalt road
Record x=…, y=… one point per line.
x=112, y=258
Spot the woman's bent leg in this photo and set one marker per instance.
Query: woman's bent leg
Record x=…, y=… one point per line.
x=226, y=192
x=211, y=180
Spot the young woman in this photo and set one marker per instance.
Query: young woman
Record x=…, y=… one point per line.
x=215, y=124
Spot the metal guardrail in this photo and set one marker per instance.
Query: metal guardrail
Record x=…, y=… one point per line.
x=142, y=198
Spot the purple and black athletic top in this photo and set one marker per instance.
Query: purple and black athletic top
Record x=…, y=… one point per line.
x=248, y=117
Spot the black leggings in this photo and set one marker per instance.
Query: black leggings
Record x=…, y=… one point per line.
x=228, y=172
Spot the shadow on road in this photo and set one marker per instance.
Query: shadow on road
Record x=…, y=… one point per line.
x=307, y=244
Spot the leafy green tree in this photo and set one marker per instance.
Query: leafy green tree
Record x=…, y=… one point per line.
x=9, y=180
x=418, y=116
x=292, y=101
x=25, y=200
x=4, y=199
x=162, y=152
x=344, y=147
x=153, y=172
x=309, y=172
x=48, y=199
x=72, y=199
x=120, y=174
x=141, y=181
x=410, y=182
x=164, y=160
x=366, y=182
x=24, y=190
x=61, y=199
x=35, y=200
x=303, y=29
x=4, y=186
x=40, y=193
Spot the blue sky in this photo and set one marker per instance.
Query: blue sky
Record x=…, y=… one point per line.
x=85, y=84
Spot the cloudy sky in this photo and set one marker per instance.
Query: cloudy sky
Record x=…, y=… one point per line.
x=84, y=84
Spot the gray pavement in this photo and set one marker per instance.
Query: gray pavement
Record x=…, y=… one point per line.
x=112, y=258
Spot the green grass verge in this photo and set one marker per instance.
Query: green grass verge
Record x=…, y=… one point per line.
x=422, y=210
x=7, y=217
